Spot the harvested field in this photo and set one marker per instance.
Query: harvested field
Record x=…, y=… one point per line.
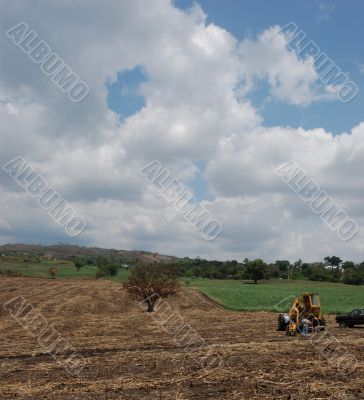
x=128, y=356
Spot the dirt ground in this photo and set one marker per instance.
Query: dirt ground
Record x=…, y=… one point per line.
x=128, y=355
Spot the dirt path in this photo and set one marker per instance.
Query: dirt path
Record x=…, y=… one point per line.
x=128, y=355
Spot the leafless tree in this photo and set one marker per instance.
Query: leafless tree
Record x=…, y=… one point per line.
x=52, y=272
x=150, y=282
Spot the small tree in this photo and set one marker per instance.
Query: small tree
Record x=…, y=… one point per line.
x=53, y=272
x=256, y=270
x=79, y=263
x=335, y=265
x=150, y=282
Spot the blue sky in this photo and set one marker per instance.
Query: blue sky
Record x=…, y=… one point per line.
x=123, y=94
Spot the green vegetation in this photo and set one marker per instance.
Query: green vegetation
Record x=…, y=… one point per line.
x=275, y=295
x=65, y=269
x=40, y=269
x=106, y=267
x=333, y=269
x=234, y=294
x=256, y=270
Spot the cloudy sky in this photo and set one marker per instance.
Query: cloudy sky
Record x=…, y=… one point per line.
x=213, y=93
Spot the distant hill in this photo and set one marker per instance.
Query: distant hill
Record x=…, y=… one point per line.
x=68, y=251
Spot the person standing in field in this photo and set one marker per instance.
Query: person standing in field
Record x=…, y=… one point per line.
x=304, y=324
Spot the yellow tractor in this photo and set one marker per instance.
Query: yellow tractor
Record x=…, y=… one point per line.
x=306, y=307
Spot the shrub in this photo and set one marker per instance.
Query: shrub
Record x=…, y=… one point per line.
x=52, y=272
x=100, y=274
x=353, y=276
x=106, y=267
x=10, y=272
x=79, y=262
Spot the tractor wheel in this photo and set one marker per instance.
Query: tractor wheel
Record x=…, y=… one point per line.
x=342, y=324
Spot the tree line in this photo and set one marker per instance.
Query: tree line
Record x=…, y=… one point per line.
x=331, y=269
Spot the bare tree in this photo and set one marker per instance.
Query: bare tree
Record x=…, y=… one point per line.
x=150, y=282
x=52, y=272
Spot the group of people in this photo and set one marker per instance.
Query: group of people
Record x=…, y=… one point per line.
x=305, y=324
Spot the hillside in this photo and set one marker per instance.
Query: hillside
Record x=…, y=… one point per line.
x=67, y=251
